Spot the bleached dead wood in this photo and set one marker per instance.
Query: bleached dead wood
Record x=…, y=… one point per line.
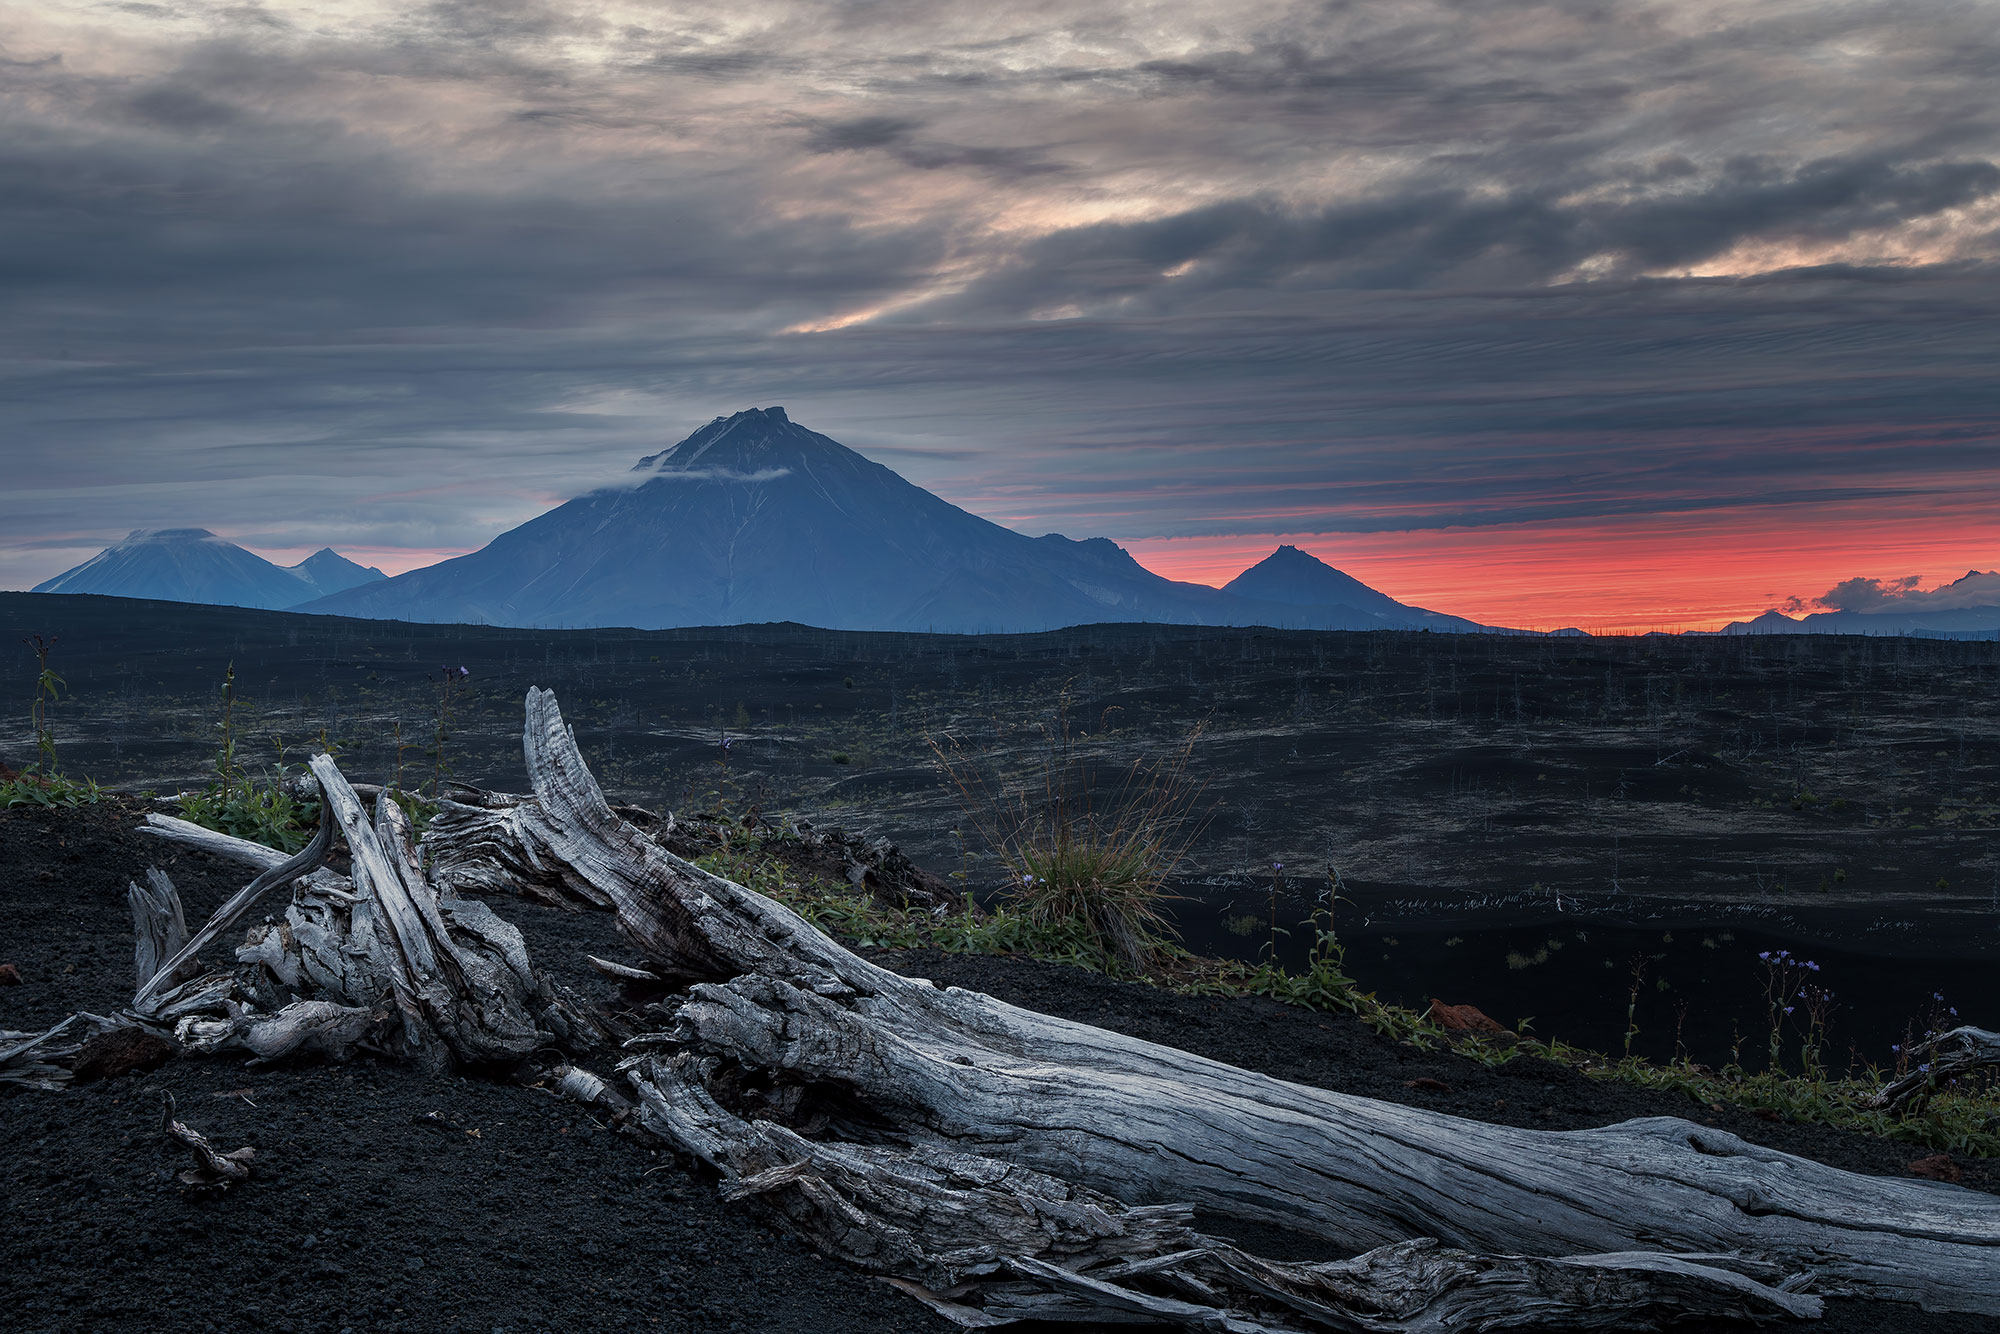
x=797, y=1030
x=984, y=1241
x=475, y=842
x=475, y=848
x=36, y=1060
x=374, y=960
x=159, y=928
x=622, y=971
x=1937, y=1061
x=307, y=859
x=213, y=1169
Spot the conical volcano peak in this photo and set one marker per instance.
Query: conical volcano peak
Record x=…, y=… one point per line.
x=185, y=565
x=1291, y=561
x=139, y=535
x=756, y=518
x=1301, y=579
x=330, y=572
x=755, y=441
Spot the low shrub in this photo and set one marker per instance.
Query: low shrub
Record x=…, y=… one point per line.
x=43, y=783
x=1087, y=845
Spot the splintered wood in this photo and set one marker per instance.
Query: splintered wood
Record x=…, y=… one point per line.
x=212, y=1170
x=377, y=960
x=787, y=1053
x=1002, y=1165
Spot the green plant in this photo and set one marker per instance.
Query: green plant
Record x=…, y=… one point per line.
x=1784, y=987
x=263, y=810
x=48, y=690
x=1277, y=887
x=718, y=805
x=32, y=788
x=43, y=782
x=1086, y=847
x=227, y=772
x=1962, y=1119
x=1323, y=984
x=1632, y=1001
x=451, y=683
x=270, y=808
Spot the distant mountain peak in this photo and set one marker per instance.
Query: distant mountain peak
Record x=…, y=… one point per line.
x=745, y=443
x=1301, y=579
x=139, y=536
x=327, y=571
x=755, y=518
x=183, y=565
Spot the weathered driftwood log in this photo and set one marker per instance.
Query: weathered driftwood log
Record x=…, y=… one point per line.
x=376, y=960
x=213, y=1169
x=476, y=849
x=305, y=861
x=986, y=1242
x=39, y=1060
x=159, y=928
x=1938, y=1061
x=789, y=1027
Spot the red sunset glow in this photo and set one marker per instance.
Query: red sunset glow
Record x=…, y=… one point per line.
x=1629, y=574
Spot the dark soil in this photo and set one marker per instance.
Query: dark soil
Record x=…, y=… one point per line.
x=508, y=1210
x=385, y=1199
x=1833, y=796
x=1447, y=774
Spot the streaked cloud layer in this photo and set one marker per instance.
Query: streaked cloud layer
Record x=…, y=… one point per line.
x=1373, y=276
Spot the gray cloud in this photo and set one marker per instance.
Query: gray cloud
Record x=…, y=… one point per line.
x=1973, y=589
x=900, y=139
x=407, y=278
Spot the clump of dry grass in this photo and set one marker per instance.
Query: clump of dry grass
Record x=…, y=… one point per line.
x=1086, y=840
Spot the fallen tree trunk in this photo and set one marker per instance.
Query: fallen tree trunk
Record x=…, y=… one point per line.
x=787, y=1027
x=301, y=863
x=375, y=960
x=1939, y=1060
x=39, y=1060
x=476, y=849
x=159, y=930
x=986, y=1242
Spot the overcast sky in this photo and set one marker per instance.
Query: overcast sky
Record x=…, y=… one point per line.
x=1549, y=313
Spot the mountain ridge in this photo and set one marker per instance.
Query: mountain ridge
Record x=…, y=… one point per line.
x=754, y=517
x=195, y=565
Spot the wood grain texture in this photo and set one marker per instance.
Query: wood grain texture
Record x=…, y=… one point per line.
x=1936, y=1060
x=789, y=1019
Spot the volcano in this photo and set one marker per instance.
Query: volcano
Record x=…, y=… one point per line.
x=755, y=518
x=194, y=565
